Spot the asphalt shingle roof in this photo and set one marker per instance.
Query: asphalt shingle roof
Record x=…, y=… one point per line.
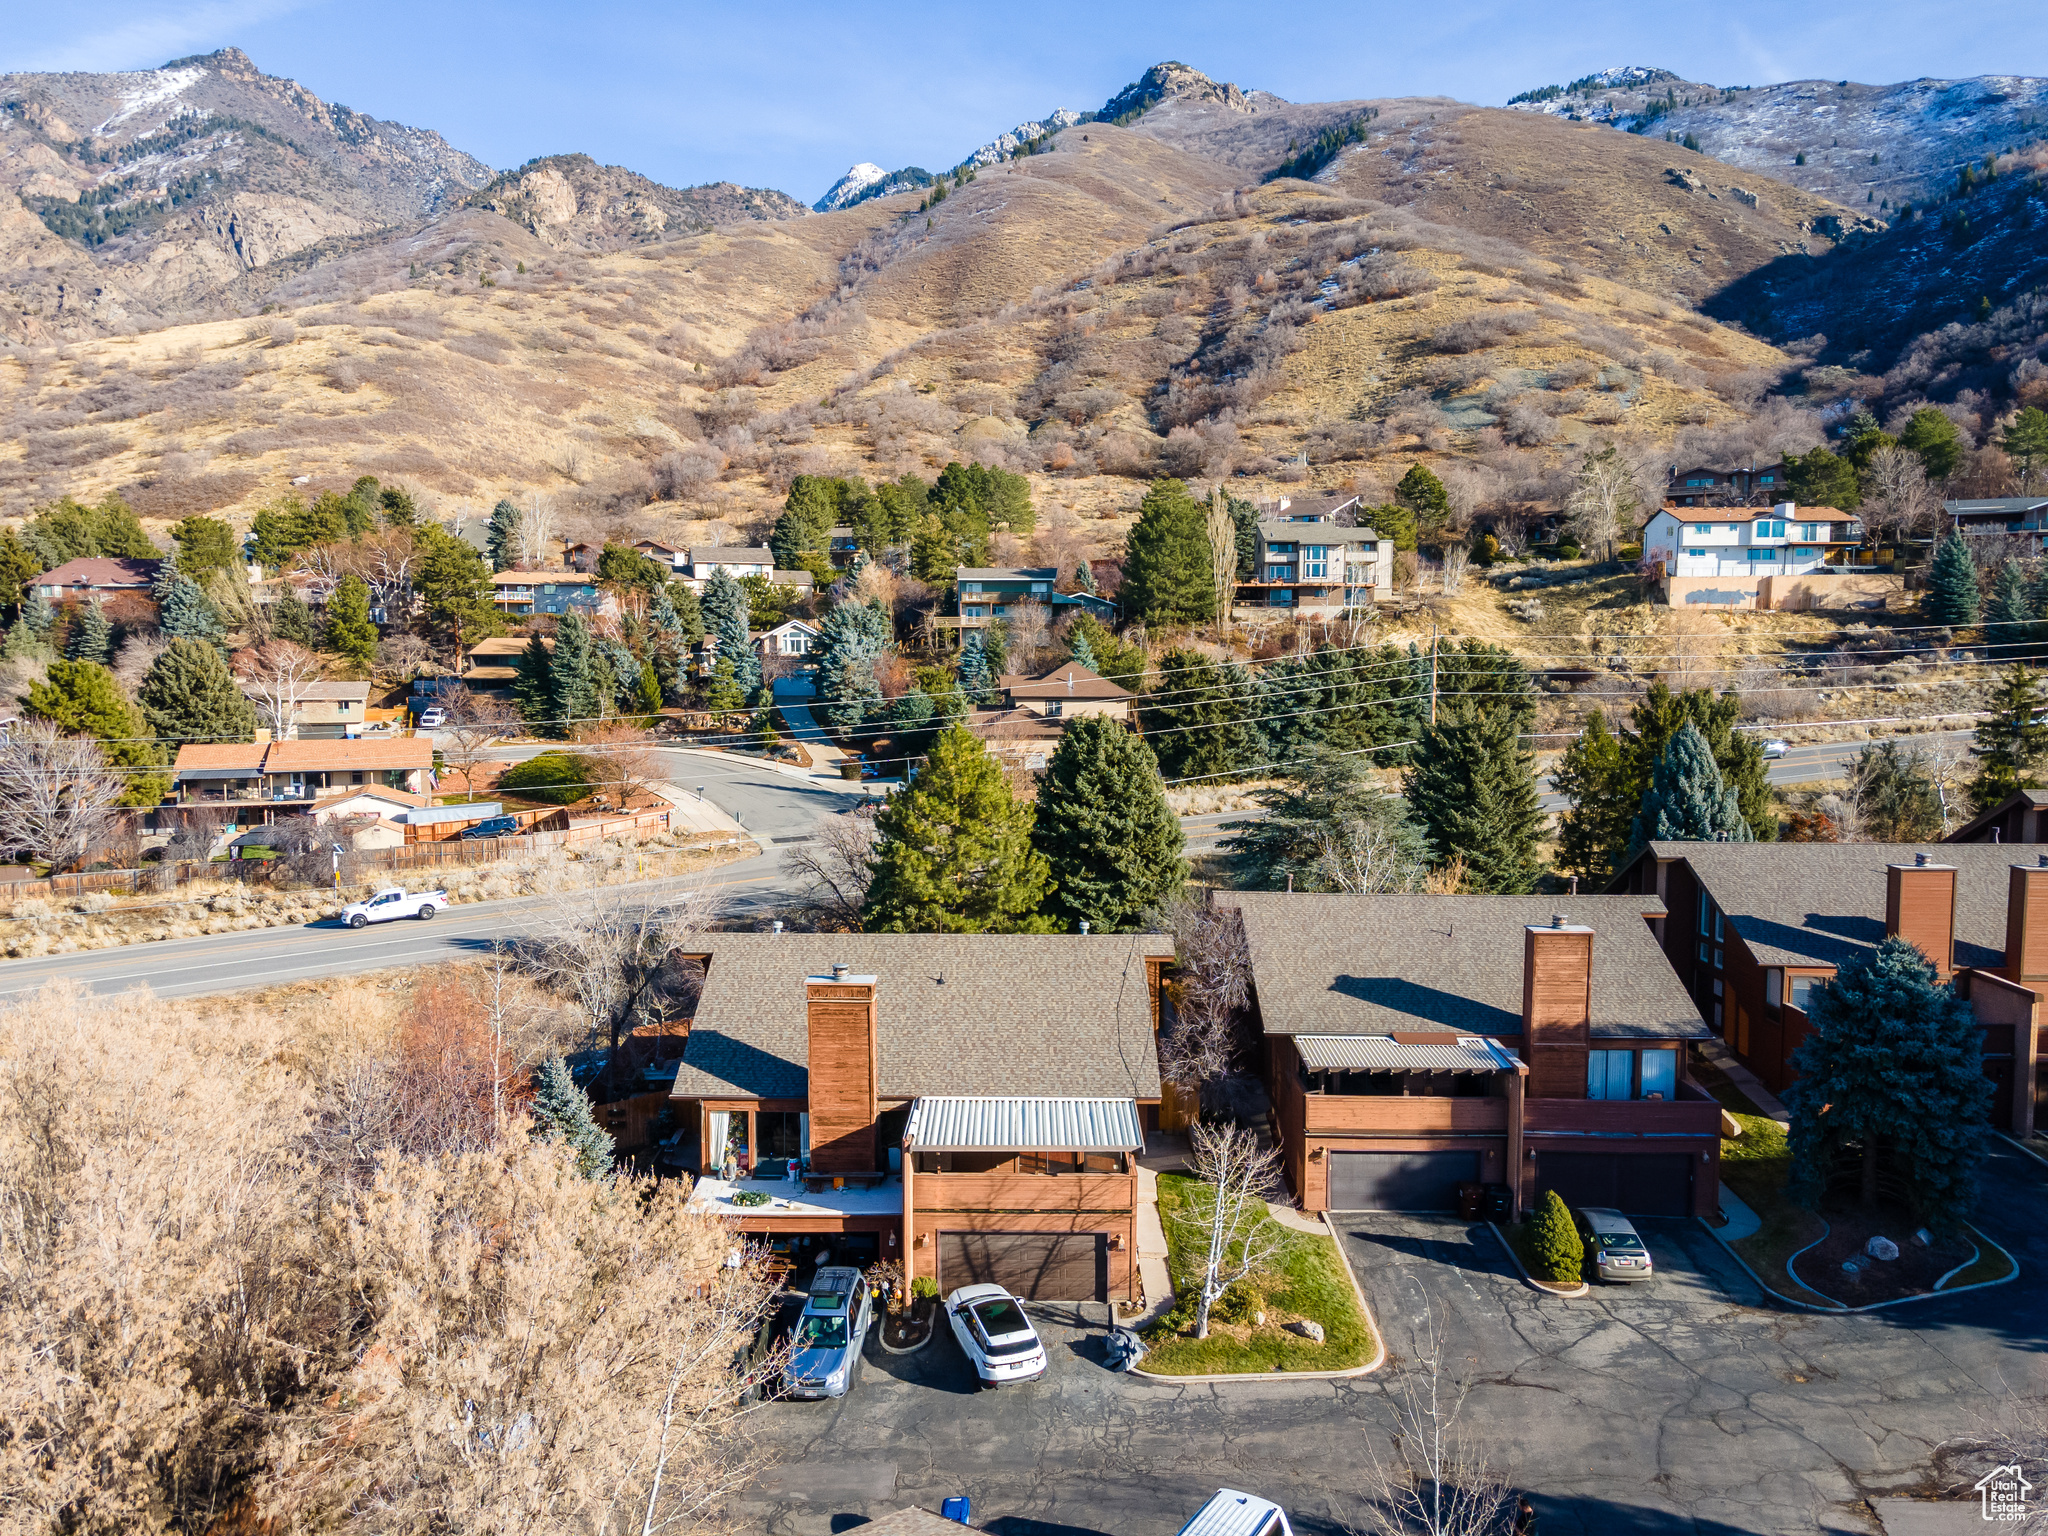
x=1398, y=964
x=1823, y=903
x=958, y=1014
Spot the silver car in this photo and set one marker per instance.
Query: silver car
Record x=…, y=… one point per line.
x=828, y=1337
x=1618, y=1253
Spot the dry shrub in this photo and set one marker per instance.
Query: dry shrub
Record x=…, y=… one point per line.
x=1475, y=333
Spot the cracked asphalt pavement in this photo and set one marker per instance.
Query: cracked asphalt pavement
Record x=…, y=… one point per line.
x=1694, y=1404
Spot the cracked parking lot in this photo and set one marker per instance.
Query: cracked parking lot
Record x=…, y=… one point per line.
x=1692, y=1404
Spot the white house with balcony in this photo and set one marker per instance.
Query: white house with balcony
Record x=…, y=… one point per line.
x=1784, y=556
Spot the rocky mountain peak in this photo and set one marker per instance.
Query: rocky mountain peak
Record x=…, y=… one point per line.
x=1168, y=81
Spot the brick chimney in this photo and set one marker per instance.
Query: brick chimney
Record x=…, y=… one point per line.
x=843, y=1072
x=2026, y=925
x=1557, y=1006
x=1920, y=907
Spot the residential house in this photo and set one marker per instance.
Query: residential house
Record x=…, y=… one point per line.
x=522, y=594
x=371, y=816
x=735, y=560
x=98, y=576
x=581, y=557
x=259, y=779
x=675, y=559
x=1021, y=738
x=843, y=544
x=2018, y=818
x=987, y=593
x=971, y=1105
x=2024, y=517
x=1707, y=485
x=1307, y=563
x=326, y=712
x=1068, y=690
x=792, y=638
x=1784, y=557
x=1750, y=927
x=493, y=665
x=1414, y=1044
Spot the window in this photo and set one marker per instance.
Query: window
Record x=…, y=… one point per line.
x=1315, y=561
x=1702, y=527
x=1717, y=959
x=1706, y=907
x=970, y=586
x=1766, y=479
x=1610, y=1074
x=1809, y=530
x=1802, y=989
x=1041, y=586
x=1703, y=951
x=1281, y=599
x=1280, y=549
x=1763, y=554
x=1774, y=982
x=1717, y=927
x=1279, y=573
x=1696, y=552
x=1660, y=1075
x=1700, y=480
x=1370, y=546
x=1054, y=708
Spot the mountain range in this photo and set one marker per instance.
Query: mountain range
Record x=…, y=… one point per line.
x=214, y=283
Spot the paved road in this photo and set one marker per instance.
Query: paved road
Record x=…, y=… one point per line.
x=777, y=808
x=1691, y=1407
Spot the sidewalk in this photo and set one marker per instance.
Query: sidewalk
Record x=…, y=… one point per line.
x=688, y=813
x=1746, y=1080
x=1165, y=1153
x=825, y=758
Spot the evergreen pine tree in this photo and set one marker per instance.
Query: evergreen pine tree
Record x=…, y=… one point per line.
x=1200, y=726
x=1423, y=494
x=852, y=638
x=291, y=619
x=726, y=619
x=1084, y=576
x=649, y=700
x=1082, y=653
x=23, y=644
x=1168, y=578
x=1328, y=826
x=83, y=697
x=1473, y=789
x=1554, y=1241
x=725, y=694
x=40, y=615
x=1891, y=1071
x=1590, y=774
x=1936, y=439
x=1687, y=802
x=2026, y=443
x=350, y=630
x=972, y=668
x=572, y=677
x=561, y=1112
x=2010, y=746
x=188, y=695
x=955, y=852
x=183, y=611
x=1113, y=844
x=501, y=538
x=92, y=637
x=2009, y=611
x=1951, y=585
x=533, y=691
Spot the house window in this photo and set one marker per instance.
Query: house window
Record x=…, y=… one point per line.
x=780, y=1133
x=1702, y=527
x=1698, y=480
x=1802, y=989
x=1035, y=760
x=1717, y=927
x=1279, y=573
x=1806, y=554
x=1809, y=530
x=1717, y=959
x=1706, y=907
x=1281, y=599
x=1763, y=554
x=1041, y=586
x=1054, y=708
x=1315, y=561
x=1610, y=1074
x=1774, y=983
x=1280, y=549
x=1766, y=479
x=1703, y=951
x=1660, y=1075
x=970, y=586
x=1696, y=552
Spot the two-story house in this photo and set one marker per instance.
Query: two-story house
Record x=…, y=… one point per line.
x=258, y=780
x=971, y=1105
x=986, y=593
x=1753, y=557
x=2023, y=517
x=522, y=594
x=1748, y=928
x=1308, y=564
x=1414, y=1044
x=326, y=711
x=1707, y=485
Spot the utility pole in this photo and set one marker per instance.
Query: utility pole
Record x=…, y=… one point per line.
x=1432, y=674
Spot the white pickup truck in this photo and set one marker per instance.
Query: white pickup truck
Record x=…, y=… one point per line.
x=393, y=903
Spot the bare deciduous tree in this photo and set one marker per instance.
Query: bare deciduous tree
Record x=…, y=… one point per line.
x=1435, y=1482
x=1899, y=503
x=1456, y=559
x=1224, y=1215
x=836, y=869
x=279, y=674
x=1222, y=557
x=475, y=720
x=613, y=953
x=1211, y=986
x=1362, y=856
x=624, y=757
x=535, y=535
x=57, y=794
x=1602, y=504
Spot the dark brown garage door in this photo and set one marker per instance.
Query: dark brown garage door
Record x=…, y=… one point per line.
x=1399, y=1181
x=1654, y=1184
x=1038, y=1266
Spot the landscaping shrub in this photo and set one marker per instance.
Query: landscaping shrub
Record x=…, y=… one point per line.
x=1554, y=1241
x=556, y=777
x=1237, y=1304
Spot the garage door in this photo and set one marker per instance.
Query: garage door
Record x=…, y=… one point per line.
x=1653, y=1185
x=1399, y=1181
x=1038, y=1266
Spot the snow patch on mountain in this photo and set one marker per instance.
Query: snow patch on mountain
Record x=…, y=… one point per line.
x=1006, y=145
x=847, y=190
x=151, y=88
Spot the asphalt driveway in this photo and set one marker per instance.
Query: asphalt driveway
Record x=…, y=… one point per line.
x=1691, y=1405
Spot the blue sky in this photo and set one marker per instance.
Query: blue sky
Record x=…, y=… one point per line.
x=789, y=95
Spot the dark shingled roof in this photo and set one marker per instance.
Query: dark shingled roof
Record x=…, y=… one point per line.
x=956, y=1014
x=1823, y=903
x=1380, y=965
x=1967, y=833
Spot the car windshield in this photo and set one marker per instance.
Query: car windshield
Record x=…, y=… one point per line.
x=1000, y=1317
x=821, y=1333
x=1626, y=1241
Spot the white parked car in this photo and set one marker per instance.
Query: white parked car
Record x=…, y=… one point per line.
x=1776, y=749
x=433, y=719
x=393, y=903
x=995, y=1334
x=1232, y=1513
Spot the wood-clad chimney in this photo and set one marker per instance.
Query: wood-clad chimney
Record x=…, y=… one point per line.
x=843, y=1072
x=1920, y=907
x=1557, y=1007
x=2026, y=925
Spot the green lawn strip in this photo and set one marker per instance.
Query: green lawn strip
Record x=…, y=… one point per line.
x=1755, y=1165
x=1309, y=1280
x=1992, y=1264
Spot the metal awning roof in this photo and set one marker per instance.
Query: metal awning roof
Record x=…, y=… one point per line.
x=1382, y=1053
x=1024, y=1125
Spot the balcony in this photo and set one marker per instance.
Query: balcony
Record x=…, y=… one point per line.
x=1389, y=1115
x=1692, y=1113
x=1034, y=1192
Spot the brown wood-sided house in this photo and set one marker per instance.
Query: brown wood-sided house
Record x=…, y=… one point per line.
x=2021, y=817
x=1750, y=927
x=969, y=1105
x=1412, y=1044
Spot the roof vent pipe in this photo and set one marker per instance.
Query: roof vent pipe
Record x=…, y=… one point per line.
x=1558, y=919
x=1920, y=858
x=2044, y=861
x=839, y=972
x=1084, y=921
x=776, y=926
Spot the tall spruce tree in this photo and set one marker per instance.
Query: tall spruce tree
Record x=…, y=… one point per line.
x=726, y=617
x=1952, y=596
x=1082, y=653
x=1687, y=802
x=851, y=639
x=1596, y=824
x=573, y=697
x=1891, y=1073
x=971, y=668
x=561, y=1113
x=955, y=853
x=1423, y=494
x=188, y=695
x=2009, y=611
x=533, y=688
x=2010, y=746
x=1168, y=576
x=291, y=619
x=92, y=637
x=183, y=611
x=501, y=536
x=1328, y=826
x=1473, y=789
x=1198, y=717
x=350, y=630
x=83, y=697
x=1115, y=847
